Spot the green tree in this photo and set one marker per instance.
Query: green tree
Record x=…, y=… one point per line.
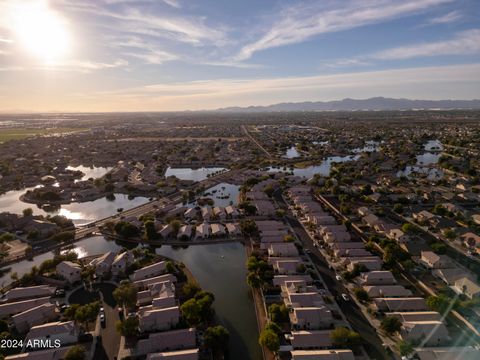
x=405, y=348
x=361, y=295
x=76, y=352
x=126, y=294
x=343, y=337
x=408, y=228
x=254, y=280
x=270, y=340
x=150, y=231
x=27, y=212
x=190, y=289
x=278, y=313
x=440, y=303
x=127, y=327
x=216, y=338
x=87, y=313
x=391, y=325
x=192, y=312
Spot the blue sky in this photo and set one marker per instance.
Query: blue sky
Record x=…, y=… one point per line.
x=121, y=55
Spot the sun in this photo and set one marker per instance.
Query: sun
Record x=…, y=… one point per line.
x=41, y=31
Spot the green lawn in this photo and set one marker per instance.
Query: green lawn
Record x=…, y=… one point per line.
x=21, y=133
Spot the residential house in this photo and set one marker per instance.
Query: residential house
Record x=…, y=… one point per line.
x=152, y=319
x=322, y=355
x=50, y=354
x=185, y=232
x=202, y=231
x=416, y=316
x=22, y=293
x=70, y=271
x=285, y=249
x=166, y=340
x=429, y=333
x=166, y=231
x=448, y=353
x=149, y=271
x=398, y=235
x=121, y=263
x=218, y=230
x=231, y=212
x=191, y=354
x=435, y=261
x=311, y=318
x=378, y=278
x=400, y=304
x=11, y=308
x=66, y=332
x=387, y=291
x=35, y=316
x=467, y=287
x=233, y=229
x=311, y=339
x=219, y=213
x=103, y=264
x=449, y=276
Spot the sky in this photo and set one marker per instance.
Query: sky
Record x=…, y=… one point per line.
x=170, y=55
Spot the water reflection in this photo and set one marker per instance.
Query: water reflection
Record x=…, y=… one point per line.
x=322, y=169
x=292, y=153
x=94, y=172
x=221, y=269
x=192, y=174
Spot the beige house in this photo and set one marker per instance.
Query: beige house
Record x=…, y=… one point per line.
x=429, y=333
x=467, y=287
x=311, y=339
x=311, y=318
x=434, y=261
x=322, y=355
x=70, y=271
x=35, y=316
x=191, y=354
x=149, y=271
x=66, y=332
x=151, y=319
x=22, y=293
x=165, y=341
x=378, y=278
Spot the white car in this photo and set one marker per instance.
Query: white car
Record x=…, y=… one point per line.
x=338, y=278
x=345, y=297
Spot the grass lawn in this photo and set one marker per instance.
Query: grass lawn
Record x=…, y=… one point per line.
x=21, y=133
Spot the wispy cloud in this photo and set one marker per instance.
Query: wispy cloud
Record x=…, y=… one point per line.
x=450, y=17
x=8, y=41
x=463, y=43
x=466, y=42
x=302, y=22
x=173, y=3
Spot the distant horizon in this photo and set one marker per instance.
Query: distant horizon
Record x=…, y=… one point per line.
x=266, y=106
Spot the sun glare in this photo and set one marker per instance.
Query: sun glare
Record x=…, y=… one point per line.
x=41, y=31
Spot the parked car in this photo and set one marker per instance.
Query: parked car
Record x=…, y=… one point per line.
x=345, y=297
x=102, y=320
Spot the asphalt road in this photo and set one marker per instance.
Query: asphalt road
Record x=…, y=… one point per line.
x=373, y=344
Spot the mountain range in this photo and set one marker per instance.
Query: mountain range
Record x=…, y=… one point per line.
x=373, y=104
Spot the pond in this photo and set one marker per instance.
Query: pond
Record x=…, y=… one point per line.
x=322, y=169
x=223, y=194
x=433, y=145
x=292, y=153
x=220, y=268
x=91, y=246
x=431, y=173
x=80, y=213
x=93, y=172
x=192, y=174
